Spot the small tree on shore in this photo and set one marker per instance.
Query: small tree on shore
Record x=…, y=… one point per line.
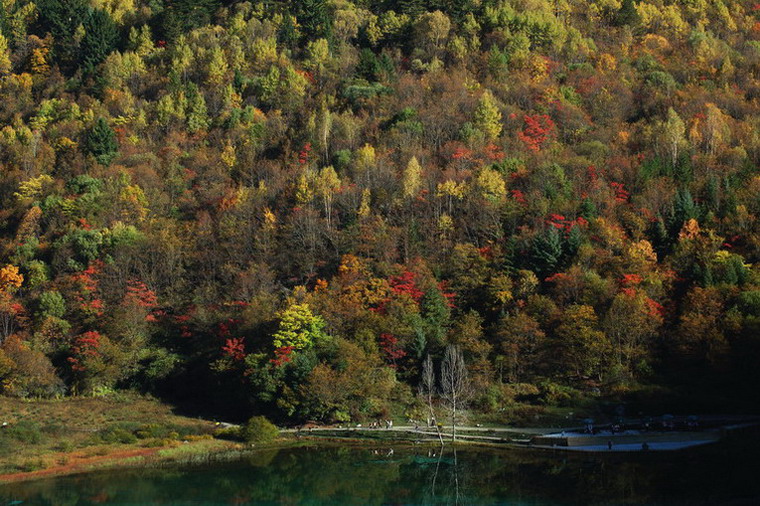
x=455, y=384
x=427, y=390
x=259, y=430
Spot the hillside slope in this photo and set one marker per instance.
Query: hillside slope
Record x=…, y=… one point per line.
x=284, y=207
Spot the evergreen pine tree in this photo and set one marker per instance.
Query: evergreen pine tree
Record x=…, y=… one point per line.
x=712, y=193
x=509, y=261
x=588, y=209
x=628, y=15
x=386, y=67
x=62, y=18
x=182, y=16
x=683, y=172
x=101, y=142
x=573, y=240
x=436, y=314
x=729, y=201
x=368, y=67
x=658, y=236
x=702, y=274
x=100, y=37
x=684, y=209
x=314, y=19
x=456, y=9
x=287, y=34
x=413, y=8
x=546, y=253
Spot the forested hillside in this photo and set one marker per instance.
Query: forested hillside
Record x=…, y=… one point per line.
x=284, y=207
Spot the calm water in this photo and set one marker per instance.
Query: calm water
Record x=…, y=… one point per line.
x=721, y=474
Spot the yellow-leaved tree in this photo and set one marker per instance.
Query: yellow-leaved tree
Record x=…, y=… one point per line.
x=5, y=56
x=299, y=328
x=412, y=178
x=10, y=278
x=487, y=116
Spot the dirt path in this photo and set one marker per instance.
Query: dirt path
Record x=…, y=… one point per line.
x=78, y=462
x=410, y=428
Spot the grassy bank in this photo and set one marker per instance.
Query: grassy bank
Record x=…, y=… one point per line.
x=44, y=438
x=44, y=434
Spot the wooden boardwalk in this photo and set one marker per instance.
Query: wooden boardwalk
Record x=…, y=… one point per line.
x=545, y=438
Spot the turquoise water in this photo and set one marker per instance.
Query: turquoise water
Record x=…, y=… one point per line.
x=720, y=474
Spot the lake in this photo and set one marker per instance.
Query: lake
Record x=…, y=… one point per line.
x=726, y=473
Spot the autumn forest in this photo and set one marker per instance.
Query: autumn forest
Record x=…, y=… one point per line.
x=283, y=208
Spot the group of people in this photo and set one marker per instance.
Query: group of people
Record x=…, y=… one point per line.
x=430, y=422
x=378, y=424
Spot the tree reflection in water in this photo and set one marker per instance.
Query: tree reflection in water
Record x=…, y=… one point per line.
x=421, y=475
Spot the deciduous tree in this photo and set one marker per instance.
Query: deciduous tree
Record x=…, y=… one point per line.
x=487, y=117
x=299, y=328
x=456, y=388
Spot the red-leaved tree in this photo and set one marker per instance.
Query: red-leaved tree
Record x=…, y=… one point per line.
x=539, y=128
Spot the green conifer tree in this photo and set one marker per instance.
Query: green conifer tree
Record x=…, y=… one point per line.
x=62, y=18
x=100, y=37
x=181, y=16
x=101, y=142
x=547, y=251
x=313, y=18
x=628, y=15
x=684, y=209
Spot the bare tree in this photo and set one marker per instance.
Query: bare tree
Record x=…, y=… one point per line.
x=455, y=384
x=427, y=389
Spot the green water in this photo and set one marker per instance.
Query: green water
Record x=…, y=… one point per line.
x=720, y=474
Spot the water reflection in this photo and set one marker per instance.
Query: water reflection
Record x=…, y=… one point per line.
x=421, y=475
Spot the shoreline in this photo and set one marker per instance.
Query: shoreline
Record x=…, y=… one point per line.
x=83, y=465
x=200, y=451
x=84, y=435
x=214, y=450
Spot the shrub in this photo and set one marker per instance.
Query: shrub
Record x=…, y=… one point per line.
x=117, y=435
x=554, y=394
x=151, y=431
x=259, y=430
x=230, y=433
x=25, y=432
x=33, y=465
x=65, y=447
